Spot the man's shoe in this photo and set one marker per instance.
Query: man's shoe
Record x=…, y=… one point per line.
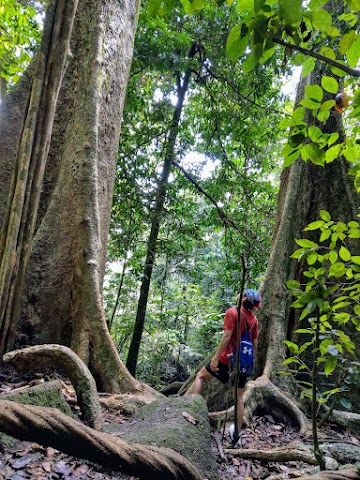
x=237, y=443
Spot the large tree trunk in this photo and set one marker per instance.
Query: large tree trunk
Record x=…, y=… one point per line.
x=62, y=300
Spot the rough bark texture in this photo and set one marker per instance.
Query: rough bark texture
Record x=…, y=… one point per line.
x=70, y=364
x=62, y=301
x=50, y=427
x=305, y=189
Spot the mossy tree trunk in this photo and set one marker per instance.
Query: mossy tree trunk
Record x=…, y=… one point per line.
x=61, y=302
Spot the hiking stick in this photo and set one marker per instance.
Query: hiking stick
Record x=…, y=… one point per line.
x=236, y=432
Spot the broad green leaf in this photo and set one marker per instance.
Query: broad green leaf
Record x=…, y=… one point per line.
x=316, y=4
x=321, y=19
x=337, y=270
x=333, y=256
x=291, y=158
x=355, y=259
x=291, y=346
x=351, y=151
x=315, y=92
x=312, y=152
x=344, y=254
x=304, y=330
x=333, y=138
x=333, y=153
x=304, y=346
x=245, y=6
x=286, y=122
x=291, y=11
x=305, y=243
x=293, y=284
x=308, y=66
x=253, y=58
x=346, y=41
x=353, y=54
x=310, y=104
x=330, y=365
x=325, y=215
x=330, y=84
x=311, y=259
x=236, y=45
x=314, y=225
x=341, y=305
x=354, y=5
x=291, y=360
x=314, y=133
x=298, y=115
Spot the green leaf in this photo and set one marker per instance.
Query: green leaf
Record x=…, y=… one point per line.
x=291, y=360
x=304, y=243
x=321, y=20
x=314, y=133
x=333, y=153
x=236, y=45
x=330, y=365
x=355, y=259
x=312, y=152
x=311, y=259
x=298, y=115
x=330, y=84
x=325, y=215
x=314, y=225
x=291, y=346
x=310, y=104
x=292, y=284
x=245, y=6
x=304, y=330
x=344, y=254
x=354, y=5
x=308, y=66
x=315, y=92
x=346, y=41
x=291, y=11
x=353, y=54
x=253, y=58
x=337, y=270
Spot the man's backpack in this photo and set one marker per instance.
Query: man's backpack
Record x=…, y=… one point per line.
x=246, y=358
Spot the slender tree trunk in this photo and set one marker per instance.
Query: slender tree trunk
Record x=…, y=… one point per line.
x=155, y=226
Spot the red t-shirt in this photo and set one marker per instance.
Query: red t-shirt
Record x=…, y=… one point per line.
x=230, y=323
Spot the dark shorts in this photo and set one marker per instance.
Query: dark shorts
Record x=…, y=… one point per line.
x=224, y=375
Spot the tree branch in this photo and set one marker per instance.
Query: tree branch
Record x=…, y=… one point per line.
x=351, y=71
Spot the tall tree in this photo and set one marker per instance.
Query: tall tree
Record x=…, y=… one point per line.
x=62, y=298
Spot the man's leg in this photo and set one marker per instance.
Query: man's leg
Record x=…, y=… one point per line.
x=240, y=409
x=202, y=376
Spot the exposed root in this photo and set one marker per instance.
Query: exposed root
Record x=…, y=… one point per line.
x=347, y=420
x=346, y=474
x=274, y=455
x=261, y=392
x=127, y=403
x=50, y=427
x=59, y=356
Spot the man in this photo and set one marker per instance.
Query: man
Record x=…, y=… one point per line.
x=219, y=365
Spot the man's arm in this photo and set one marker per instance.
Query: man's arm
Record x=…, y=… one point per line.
x=224, y=342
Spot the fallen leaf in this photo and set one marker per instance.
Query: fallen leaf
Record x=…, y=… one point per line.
x=81, y=470
x=46, y=466
x=190, y=418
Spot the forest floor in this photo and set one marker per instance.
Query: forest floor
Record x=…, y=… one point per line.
x=26, y=460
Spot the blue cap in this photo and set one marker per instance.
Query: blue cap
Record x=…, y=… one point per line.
x=253, y=296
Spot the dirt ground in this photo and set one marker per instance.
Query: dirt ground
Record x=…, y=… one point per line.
x=27, y=460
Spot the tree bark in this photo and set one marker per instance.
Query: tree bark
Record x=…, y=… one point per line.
x=62, y=299
x=21, y=213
